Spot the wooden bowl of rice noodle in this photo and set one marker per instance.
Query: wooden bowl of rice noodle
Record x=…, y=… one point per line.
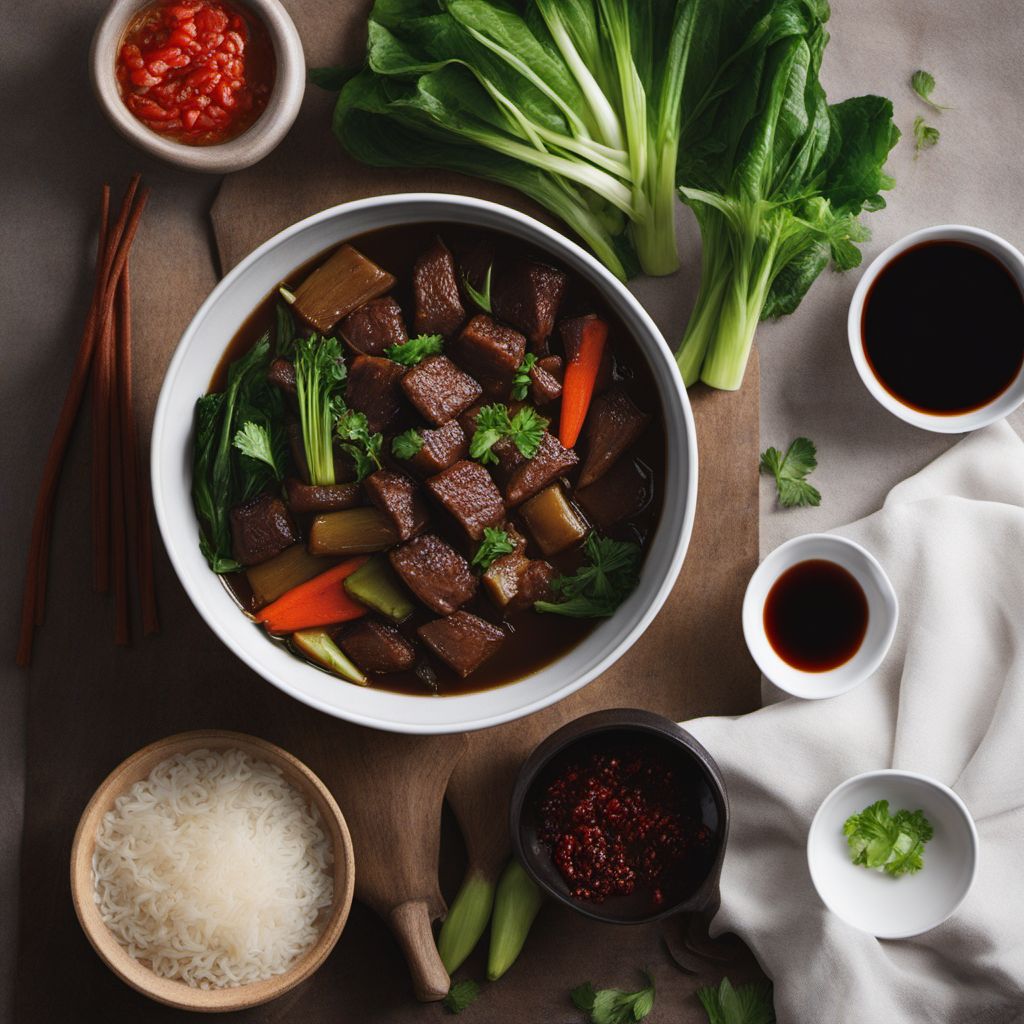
x=302, y=849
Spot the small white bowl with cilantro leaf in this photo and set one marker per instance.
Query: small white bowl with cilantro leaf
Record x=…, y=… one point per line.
x=892, y=853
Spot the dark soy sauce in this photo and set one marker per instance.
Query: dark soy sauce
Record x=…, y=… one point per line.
x=816, y=615
x=943, y=327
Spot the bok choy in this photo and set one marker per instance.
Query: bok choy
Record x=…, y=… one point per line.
x=776, y=186
x=576, y=103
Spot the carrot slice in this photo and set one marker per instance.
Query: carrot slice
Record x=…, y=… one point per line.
x=320, y=601
x=580, y=377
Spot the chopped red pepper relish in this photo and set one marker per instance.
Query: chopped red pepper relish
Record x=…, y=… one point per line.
x=619, y=824
x=197, y=71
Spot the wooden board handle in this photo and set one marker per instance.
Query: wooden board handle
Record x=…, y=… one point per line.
x=411, y=924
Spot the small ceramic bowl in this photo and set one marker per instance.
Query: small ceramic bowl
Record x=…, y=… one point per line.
x=883, y=615
x=958, y=423
x=608, y=731
x=169, y=990
x=874, y=902
x=222, y=158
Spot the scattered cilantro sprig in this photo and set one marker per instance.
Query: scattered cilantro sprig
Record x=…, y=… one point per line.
x=923, y=83
x=600, y=585
x=460, y=995
x=612, y=1005
x=791, y=471
x=742, y=1004
x=482, y=297
x=407, y=444
x=255, y=442
x=893, y=843
x=925, y=136
x=495, y=544
x=525, y=429
x=353, y=432
x=415, y=350
x=521, y=381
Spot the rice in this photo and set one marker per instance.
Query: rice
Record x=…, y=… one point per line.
x=213, y=870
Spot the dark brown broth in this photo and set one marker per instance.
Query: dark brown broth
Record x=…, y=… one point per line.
x=816, y=615
x=535, y=640
x=943, y=327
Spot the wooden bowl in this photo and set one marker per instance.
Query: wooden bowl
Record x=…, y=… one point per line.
x=169, y=990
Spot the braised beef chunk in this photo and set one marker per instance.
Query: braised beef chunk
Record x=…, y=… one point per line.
x=293, y=430
x=435, y=572
x=467, y=491
x=442, y=448
x=260, y=529
x=532, y=475
x=546, y=380
x=376, y=647
x=535, y=583
x=435, y=288
x=527, y=296
x=620, y=493
x=372, y=328
x=400, y=500
x=613, y=424
x=490, y=352
x=439, y=389
x=462, y=640
x=320, y=497
x=513, y=582
x=282, y=374
x=571, y=333
x=373, y=389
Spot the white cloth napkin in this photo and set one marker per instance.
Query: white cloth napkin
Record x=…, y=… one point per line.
x=949, y=702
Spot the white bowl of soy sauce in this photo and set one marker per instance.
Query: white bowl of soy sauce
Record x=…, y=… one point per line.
x=819, y=615
x=936, y=328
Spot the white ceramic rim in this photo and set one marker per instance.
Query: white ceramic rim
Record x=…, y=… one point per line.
x=246, y=149
x=383, y=709
x=960, y=423
x=925, y=780
x=881, y=597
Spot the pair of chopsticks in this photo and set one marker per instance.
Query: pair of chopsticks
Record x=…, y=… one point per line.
x=120, y=502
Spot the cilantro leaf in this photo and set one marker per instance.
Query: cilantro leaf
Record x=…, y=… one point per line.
x=745, y=1004
x=415, y=350
x=600, y=585
x=353, y=431
x=460, y=995
x=923, y=83
x=893, y=843
x=790, y=471
x=527, y=431
x=481, y=297
x=255, y=442
x=925, y=136
x=492, y=424
x=521, y=381
x=407, y=444
x=612, y=1005
x=495, y=544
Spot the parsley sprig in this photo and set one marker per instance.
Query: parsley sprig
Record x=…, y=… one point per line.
x=790, y=472
x=415, y=350
x=460, y=995
x=613, y=1005
x=893, y=843
x=495, y=544
x=407, y=444
x=525, y=429
x=742, y=1004
x=925, y=136
x=353, y=432
x=600, y=585
x=254, y=441
x=923, y=83
x=521, y=381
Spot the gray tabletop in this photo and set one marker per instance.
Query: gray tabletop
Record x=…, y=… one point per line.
x=58, y=151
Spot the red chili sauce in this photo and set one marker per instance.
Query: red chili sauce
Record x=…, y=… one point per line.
x=616, y=825
x=199, y=72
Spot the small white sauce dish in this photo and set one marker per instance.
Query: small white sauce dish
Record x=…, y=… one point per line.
x=883, y=615
x=872, y=901
x=956, y=423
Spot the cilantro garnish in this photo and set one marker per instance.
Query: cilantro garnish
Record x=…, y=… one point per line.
x=612, y=1005
x=521, y=381
x=923, y=83
x=255, y=441
x=744, y=1004
x=925, y=136
x=353, y=431
x=495, y=544
x=406, y=444
x=415, y=350
x=600, y=585
x=790, y=472
x=893, y=843
x=525, y=429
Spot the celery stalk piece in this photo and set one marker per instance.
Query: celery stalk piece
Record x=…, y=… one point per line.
x=318, y=645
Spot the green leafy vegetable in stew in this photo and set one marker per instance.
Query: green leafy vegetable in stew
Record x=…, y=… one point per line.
x=415, y=350
x=255, y=441
x=481, y=296
x=407, y=444
x=357, y=441
x=600, y=585
x=319, y=383
x=525, y=429
x=776, y=187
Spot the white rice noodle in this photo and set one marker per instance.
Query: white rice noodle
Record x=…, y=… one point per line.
x=214, y=870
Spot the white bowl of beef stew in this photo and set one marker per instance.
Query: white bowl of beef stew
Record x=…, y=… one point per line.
x=433, y=511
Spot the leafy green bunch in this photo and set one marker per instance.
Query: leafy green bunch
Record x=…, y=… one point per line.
x=893, y=843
